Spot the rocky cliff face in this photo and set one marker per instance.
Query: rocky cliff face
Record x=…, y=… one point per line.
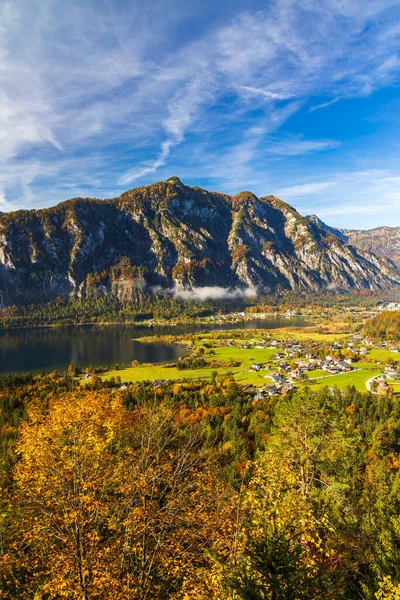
x=382, y=241
x=171, y=235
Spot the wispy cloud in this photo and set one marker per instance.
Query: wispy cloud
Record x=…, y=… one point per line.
x=373, y=193
x=306, y=189
x=182, y=110
x=300, y=147
x=110, y=93
x=323, y=104
x=265, y=93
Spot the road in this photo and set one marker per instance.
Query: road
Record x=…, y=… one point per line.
x=369, y=382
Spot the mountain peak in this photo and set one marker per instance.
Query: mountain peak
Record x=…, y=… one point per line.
x=174, y=180
x=243, y=199
x=338, y=232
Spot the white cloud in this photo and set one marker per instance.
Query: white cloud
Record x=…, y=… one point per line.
x=201, y=294
x=98, y=94
x=324, y=104
x=182, y=111
x=306, y=189
x=375, y=198
x=265, y=93
x=299, y=147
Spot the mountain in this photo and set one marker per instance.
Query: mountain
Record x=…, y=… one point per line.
x=382, y=241
x=338, y=232
x=171, y=235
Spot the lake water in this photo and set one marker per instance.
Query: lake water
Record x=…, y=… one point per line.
x=55, y=348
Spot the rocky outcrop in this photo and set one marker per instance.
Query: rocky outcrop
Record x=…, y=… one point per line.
x=172, y=235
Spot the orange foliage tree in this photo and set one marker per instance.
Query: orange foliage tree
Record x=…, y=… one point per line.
x=112, y=503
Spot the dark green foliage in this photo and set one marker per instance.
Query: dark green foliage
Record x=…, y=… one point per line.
x=275, y=569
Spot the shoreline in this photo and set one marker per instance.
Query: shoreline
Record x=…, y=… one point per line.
x=151, y=323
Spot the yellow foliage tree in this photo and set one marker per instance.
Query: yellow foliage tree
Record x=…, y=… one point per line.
x=111, y=503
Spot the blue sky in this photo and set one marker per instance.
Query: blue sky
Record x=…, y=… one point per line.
x=297, y=98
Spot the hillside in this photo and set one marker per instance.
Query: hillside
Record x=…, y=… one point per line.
x=385, y=326
x=382, y=241
x=175, y=236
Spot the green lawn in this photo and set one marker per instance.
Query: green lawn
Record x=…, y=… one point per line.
x=356, y=378
x=253, y=377
x=244, y=356
x=383, y=355
x=305, y=334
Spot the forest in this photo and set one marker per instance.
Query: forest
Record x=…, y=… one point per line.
x=193, y=490
x=100, y=308
x=385, y=326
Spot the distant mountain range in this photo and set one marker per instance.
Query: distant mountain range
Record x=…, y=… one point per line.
x=382, y=241
x=172, y=236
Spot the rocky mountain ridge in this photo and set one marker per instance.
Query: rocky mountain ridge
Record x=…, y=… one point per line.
x=169, y=235
x=382, y=241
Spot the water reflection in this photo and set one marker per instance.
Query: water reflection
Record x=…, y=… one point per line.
x=55, y=348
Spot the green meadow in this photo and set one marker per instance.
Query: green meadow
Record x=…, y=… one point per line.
x=223, y=354
x=247, y=356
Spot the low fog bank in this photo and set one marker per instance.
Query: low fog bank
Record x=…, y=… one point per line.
x=200, y=294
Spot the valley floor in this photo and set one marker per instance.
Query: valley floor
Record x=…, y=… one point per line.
x=265, y=355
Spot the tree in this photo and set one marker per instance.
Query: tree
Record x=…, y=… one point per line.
x=284, y=553
x=110, y=503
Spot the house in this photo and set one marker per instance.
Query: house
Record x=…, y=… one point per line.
x=287, y=388
x=272, y=390
x=393, y=306
x=392, y=374
x=255, y=367
x=344, y=366
x=382, y=388
x=277, y=379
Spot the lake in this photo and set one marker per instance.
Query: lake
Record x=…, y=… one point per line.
x=55, y=348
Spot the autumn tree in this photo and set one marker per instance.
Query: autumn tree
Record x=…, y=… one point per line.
x=284, y=553
x=111, y=503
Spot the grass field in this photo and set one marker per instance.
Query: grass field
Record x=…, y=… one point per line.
x=308, y=334
x=383, y=355
x=244, y=356
x=357, y=378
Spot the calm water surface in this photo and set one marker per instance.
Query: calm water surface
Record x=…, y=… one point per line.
x=55, y=348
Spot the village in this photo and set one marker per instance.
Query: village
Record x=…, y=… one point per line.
x=271, y=363
x=298, y=363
